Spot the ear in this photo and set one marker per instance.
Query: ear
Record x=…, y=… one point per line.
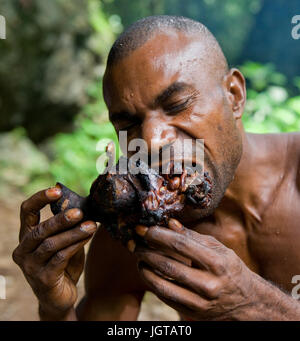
x=235, y=89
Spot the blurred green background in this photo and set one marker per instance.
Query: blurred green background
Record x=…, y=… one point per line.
x=52, y=112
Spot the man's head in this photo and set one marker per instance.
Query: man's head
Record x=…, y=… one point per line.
x=167, y=80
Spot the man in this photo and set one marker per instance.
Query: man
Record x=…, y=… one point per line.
x=168, y=80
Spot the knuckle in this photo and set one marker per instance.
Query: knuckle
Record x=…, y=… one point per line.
x=24, y=206
x=180, y=245
x=230, y=253
x=16, y=256
x=48, y=245
x=212, y=242
x=161, y=289
x=59, y=258
x=213, y=288
x=183, y=277
x=76, y=233
x=36, y=234
x=208, y=237
x=167, y=267
x=219, y=266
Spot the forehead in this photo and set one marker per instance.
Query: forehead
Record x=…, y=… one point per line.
x=161, y=61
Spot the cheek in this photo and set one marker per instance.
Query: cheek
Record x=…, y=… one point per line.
x=211, y=121
x=215, y=123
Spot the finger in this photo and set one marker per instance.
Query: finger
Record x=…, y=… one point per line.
x=76, y=265
x=171, y=291
x=60, y=260
x=205, y=240
x=142, y=230
x=176, y=226
x=30, y=208
x=199, y=281
x=182, y=243
x=53, y=244
x=51, y=226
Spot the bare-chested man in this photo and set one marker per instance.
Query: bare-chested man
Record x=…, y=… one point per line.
x=167, y=79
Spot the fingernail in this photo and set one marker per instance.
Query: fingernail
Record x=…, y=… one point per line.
x=141, y=230
x=53, y=192
x=73, y=214
x=175, y=225
x=131, y=245
x=88, y=226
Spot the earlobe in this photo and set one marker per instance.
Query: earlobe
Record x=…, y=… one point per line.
x=235, y=86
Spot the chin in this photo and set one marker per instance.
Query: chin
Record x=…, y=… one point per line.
x=192, y=215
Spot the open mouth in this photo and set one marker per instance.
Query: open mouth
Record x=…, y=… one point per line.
x=168, y=193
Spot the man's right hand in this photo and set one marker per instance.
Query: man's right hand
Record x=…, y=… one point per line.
x=51, y=253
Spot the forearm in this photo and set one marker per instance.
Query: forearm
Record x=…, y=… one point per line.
x=124, y=307
x=69, y=315
x=269, y=304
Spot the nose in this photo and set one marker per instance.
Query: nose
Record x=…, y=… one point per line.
x=157, y=132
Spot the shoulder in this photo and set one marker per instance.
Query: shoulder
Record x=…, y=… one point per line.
x=281, y=152
x=294, y=155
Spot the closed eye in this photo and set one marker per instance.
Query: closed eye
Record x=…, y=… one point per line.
x=176, y=107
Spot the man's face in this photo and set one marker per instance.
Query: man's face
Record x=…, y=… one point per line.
x=167, y=90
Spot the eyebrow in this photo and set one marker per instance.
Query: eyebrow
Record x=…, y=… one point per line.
x=121, y=115
x=175, y=87
x=170, y=90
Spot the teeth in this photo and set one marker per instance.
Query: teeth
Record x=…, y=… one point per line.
x=151, y=203
x=172, y=168
x=162, y=189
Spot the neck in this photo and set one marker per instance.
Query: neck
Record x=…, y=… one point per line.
x=245, y=170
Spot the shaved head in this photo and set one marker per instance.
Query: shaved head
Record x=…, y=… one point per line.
x=143, y=30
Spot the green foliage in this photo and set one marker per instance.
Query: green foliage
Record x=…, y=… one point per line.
x=269, y=109
x=53, y=51
x=56, y=84
x=22, y=165
x=75, y=155
x=226, y=18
